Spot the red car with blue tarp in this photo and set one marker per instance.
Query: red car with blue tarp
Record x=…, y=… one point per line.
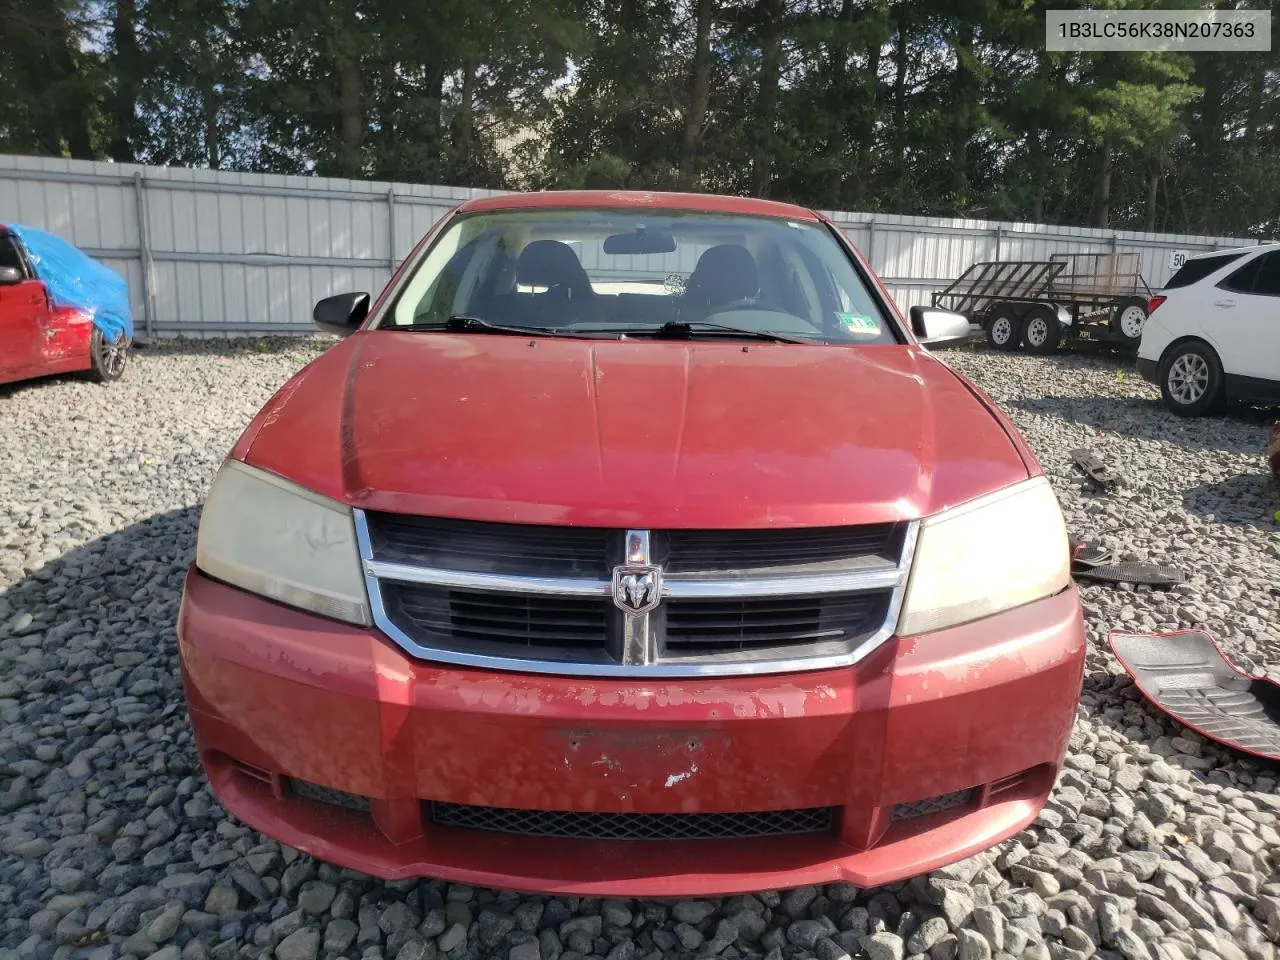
x=61, y=311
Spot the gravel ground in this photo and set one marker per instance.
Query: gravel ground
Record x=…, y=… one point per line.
x=1156, y=843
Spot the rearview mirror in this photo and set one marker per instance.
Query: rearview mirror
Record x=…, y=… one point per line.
x=640, y=242
x=939, y=328
x=341, y=314
x=10, y=276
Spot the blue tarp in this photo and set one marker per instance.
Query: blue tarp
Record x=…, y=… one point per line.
x=75, y=279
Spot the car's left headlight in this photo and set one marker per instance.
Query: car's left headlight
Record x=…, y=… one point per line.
x=274, y=538
x=992, y=554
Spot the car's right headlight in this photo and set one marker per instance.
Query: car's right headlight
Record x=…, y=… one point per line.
x=991, y=554
x=274, y=538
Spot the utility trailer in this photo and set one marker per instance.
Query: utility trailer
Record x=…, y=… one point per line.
x=1040, y=303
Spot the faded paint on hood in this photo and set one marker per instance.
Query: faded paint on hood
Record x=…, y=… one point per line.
x=639, y=433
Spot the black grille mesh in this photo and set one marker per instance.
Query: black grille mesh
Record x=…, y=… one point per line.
x=918, y=808
x=492, y=547
x=722, y=551
x=721, y=626
x=592, y=552
x=438, y=614
x=634, y=826
x=337, y=798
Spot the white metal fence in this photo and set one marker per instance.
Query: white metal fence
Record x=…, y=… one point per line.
x=210, y=252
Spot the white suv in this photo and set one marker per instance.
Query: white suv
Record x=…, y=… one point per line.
x=1213, y=332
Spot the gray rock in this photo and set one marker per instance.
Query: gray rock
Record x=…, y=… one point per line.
x=926, y=935
x=991, y=923
x=66, y=879
x=164, y=926
x=494, y=927
x=615, y=913
x=805, y=933
x=1130, y=946
x=795, y=903
x=549, y=945
x=957, y=906
x=882, y=946
x=828, y=949
x=316, y=896
x=453, y=937
x=525, y=951
x=339, y=934
x=692, y=911
x=221, y=900
x=973, y=946
x=689, y=936
x=302, y=944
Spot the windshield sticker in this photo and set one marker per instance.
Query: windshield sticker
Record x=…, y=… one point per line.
x=857, y=325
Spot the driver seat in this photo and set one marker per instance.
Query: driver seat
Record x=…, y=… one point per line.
x=724, y=273
x=566, y=294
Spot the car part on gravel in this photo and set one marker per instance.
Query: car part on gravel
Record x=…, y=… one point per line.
x=1094, y=468
x=1190, y=378
x=1273, y=450
x=1187, y=675
x=1136, y=572
x=1041, y=331
x=1127, y=319
x=1003, y=326
x=1086, y=556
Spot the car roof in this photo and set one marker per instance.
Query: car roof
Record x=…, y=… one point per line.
x=1252, y=248
x=613, y=199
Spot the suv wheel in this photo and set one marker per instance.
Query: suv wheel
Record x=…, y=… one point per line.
x=1190, y=378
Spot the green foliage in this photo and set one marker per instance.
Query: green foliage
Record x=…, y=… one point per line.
x=913, y=106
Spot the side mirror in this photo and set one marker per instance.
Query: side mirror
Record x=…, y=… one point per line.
x=10, y=276
x=939, y=328
x=341, y=314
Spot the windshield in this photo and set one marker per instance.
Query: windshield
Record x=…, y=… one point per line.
x=606, y=272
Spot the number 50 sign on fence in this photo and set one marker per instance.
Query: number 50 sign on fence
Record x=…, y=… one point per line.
x=1177, y=258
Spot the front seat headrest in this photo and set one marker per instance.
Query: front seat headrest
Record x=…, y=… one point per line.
x=551, y=263
x=725, y=273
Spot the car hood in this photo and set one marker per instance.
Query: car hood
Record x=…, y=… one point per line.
x=634, y=433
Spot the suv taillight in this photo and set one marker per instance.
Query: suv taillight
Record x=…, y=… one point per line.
x=1153, y=303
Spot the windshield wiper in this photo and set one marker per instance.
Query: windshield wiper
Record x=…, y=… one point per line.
x=466, y=323
x=682, y=328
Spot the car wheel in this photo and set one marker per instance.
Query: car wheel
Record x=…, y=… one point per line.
x=1003, y=327
x=1191, y=379
x=109, y=357
x=1041, y=331
x=1127, y=319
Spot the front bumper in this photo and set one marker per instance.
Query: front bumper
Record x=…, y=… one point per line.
x=280, y=699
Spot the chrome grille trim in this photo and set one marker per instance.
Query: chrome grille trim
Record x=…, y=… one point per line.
x=674, y=586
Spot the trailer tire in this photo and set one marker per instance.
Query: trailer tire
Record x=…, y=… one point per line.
x=1127, y=319
x=1003, y=327
x=1041, y=331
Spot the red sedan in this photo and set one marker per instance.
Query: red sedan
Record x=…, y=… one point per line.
x=60, y=311
x=632, y=544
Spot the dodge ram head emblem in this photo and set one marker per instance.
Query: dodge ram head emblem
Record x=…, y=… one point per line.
x=637, y=588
